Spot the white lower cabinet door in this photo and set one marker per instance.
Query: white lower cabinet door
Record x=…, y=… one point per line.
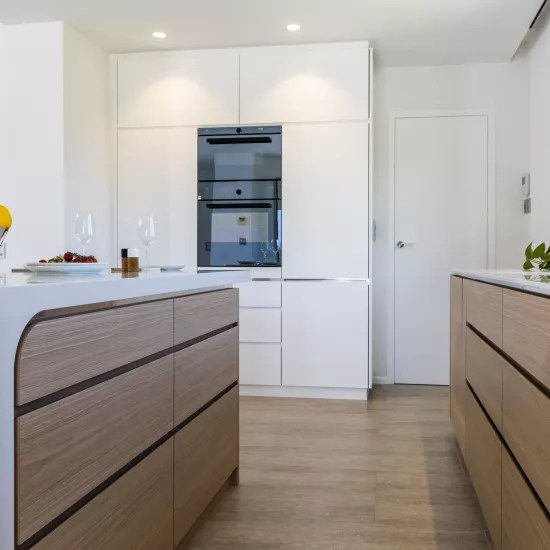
x=325, y=334
x=260, y=325
x=260, y=364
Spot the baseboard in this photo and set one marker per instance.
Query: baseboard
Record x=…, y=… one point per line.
x=382, y=380
x=303, y=393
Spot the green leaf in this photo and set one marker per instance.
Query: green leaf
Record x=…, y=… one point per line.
x=539, y=251
x=528, y=265
x=529, y=251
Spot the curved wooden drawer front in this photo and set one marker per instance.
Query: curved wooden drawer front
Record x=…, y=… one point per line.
x=203, y=371
x=525, y=525
x=484, y=368
x=484, y=461
x=203, y=313
x=62, y=352
x=68, y=448
x=527, y=332
x=484, y=309
x=135, y=512
x=526, y=429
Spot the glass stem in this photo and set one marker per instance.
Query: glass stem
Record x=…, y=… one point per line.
x=146, y=257
x=84, y=249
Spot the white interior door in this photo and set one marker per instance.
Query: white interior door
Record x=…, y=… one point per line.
x=441, y=224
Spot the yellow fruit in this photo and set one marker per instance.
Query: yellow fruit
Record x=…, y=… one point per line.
x=5, y=217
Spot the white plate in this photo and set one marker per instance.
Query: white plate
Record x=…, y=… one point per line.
x=69, y=269
x=166, y=267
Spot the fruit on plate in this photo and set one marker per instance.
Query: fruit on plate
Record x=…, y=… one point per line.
x=70, y=258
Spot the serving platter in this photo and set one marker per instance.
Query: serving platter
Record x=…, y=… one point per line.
x=67, y=268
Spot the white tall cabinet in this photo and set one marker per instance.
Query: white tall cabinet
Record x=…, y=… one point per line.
x=326, y=200
x=307, y=332
x=157, y=174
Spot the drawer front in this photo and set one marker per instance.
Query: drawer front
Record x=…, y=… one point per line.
x=260, y=294
x=260, y=325
x=525, y=525
x=200, y=314
x=458, y=360
x=135, y=512
x=260, y=364
x=206, y=453
x=484, y=368
x=484, y=309
x=527, y=332
x=59, y=353
x=484, y=462
x=203, y=371
x=526, y=429
x=68, y=448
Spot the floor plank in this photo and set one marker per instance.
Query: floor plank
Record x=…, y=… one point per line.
x=381, y=475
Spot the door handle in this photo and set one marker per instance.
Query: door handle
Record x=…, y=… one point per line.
x=402, y=244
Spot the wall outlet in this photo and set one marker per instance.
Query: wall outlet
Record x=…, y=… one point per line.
x=2, y=251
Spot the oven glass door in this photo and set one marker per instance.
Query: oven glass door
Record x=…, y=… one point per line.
x=240, y=233
x=235, y=158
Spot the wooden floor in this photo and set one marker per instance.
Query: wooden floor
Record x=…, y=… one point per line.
x=335, y=474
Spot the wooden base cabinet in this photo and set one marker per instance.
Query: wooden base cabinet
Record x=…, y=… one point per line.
x=458, y=366
x=500, y=375
x=206, y=453
x=484, y=462
x=525, y=525
x=135, y=512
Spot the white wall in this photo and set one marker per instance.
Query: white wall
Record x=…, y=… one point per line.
x=87, y=185
x=3, y=120
x=501, y=87
x=34, y=187
x=539, y=64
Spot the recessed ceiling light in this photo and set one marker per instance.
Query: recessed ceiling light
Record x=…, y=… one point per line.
x=293, y=27
x=159, y=34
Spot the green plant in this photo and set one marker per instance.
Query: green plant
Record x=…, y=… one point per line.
x=540, y=256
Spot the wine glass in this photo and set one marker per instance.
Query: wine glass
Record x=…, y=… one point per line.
x=265, y=247
x=276, y=248
x=84, y=230
x=147, y=234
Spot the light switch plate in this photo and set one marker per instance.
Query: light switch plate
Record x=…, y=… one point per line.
x=2, y=251
x=527, y=206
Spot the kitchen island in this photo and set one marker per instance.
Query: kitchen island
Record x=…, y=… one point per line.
x=118, y=407
x=500, y=400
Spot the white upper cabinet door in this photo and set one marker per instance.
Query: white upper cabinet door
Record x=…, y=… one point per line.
x=326, y=201
x=157, y=174
x=198, y=88
x=319, y=83
x=325, y=334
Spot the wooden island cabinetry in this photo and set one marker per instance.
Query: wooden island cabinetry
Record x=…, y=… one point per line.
x=500, y=402
x=126, y=421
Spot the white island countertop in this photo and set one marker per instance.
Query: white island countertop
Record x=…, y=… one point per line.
x=24, y=295
x=537, y=283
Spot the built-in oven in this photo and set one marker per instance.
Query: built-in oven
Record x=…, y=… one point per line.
x=239, y=223
x=239, y=197
x=240, y=154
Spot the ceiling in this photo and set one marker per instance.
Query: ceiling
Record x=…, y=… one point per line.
x=404, y=32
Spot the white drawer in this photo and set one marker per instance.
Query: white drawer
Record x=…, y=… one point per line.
x=260, y=364
x=259, y=325
x=260, y=294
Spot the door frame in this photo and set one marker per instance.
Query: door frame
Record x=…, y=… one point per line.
x=491, y=208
